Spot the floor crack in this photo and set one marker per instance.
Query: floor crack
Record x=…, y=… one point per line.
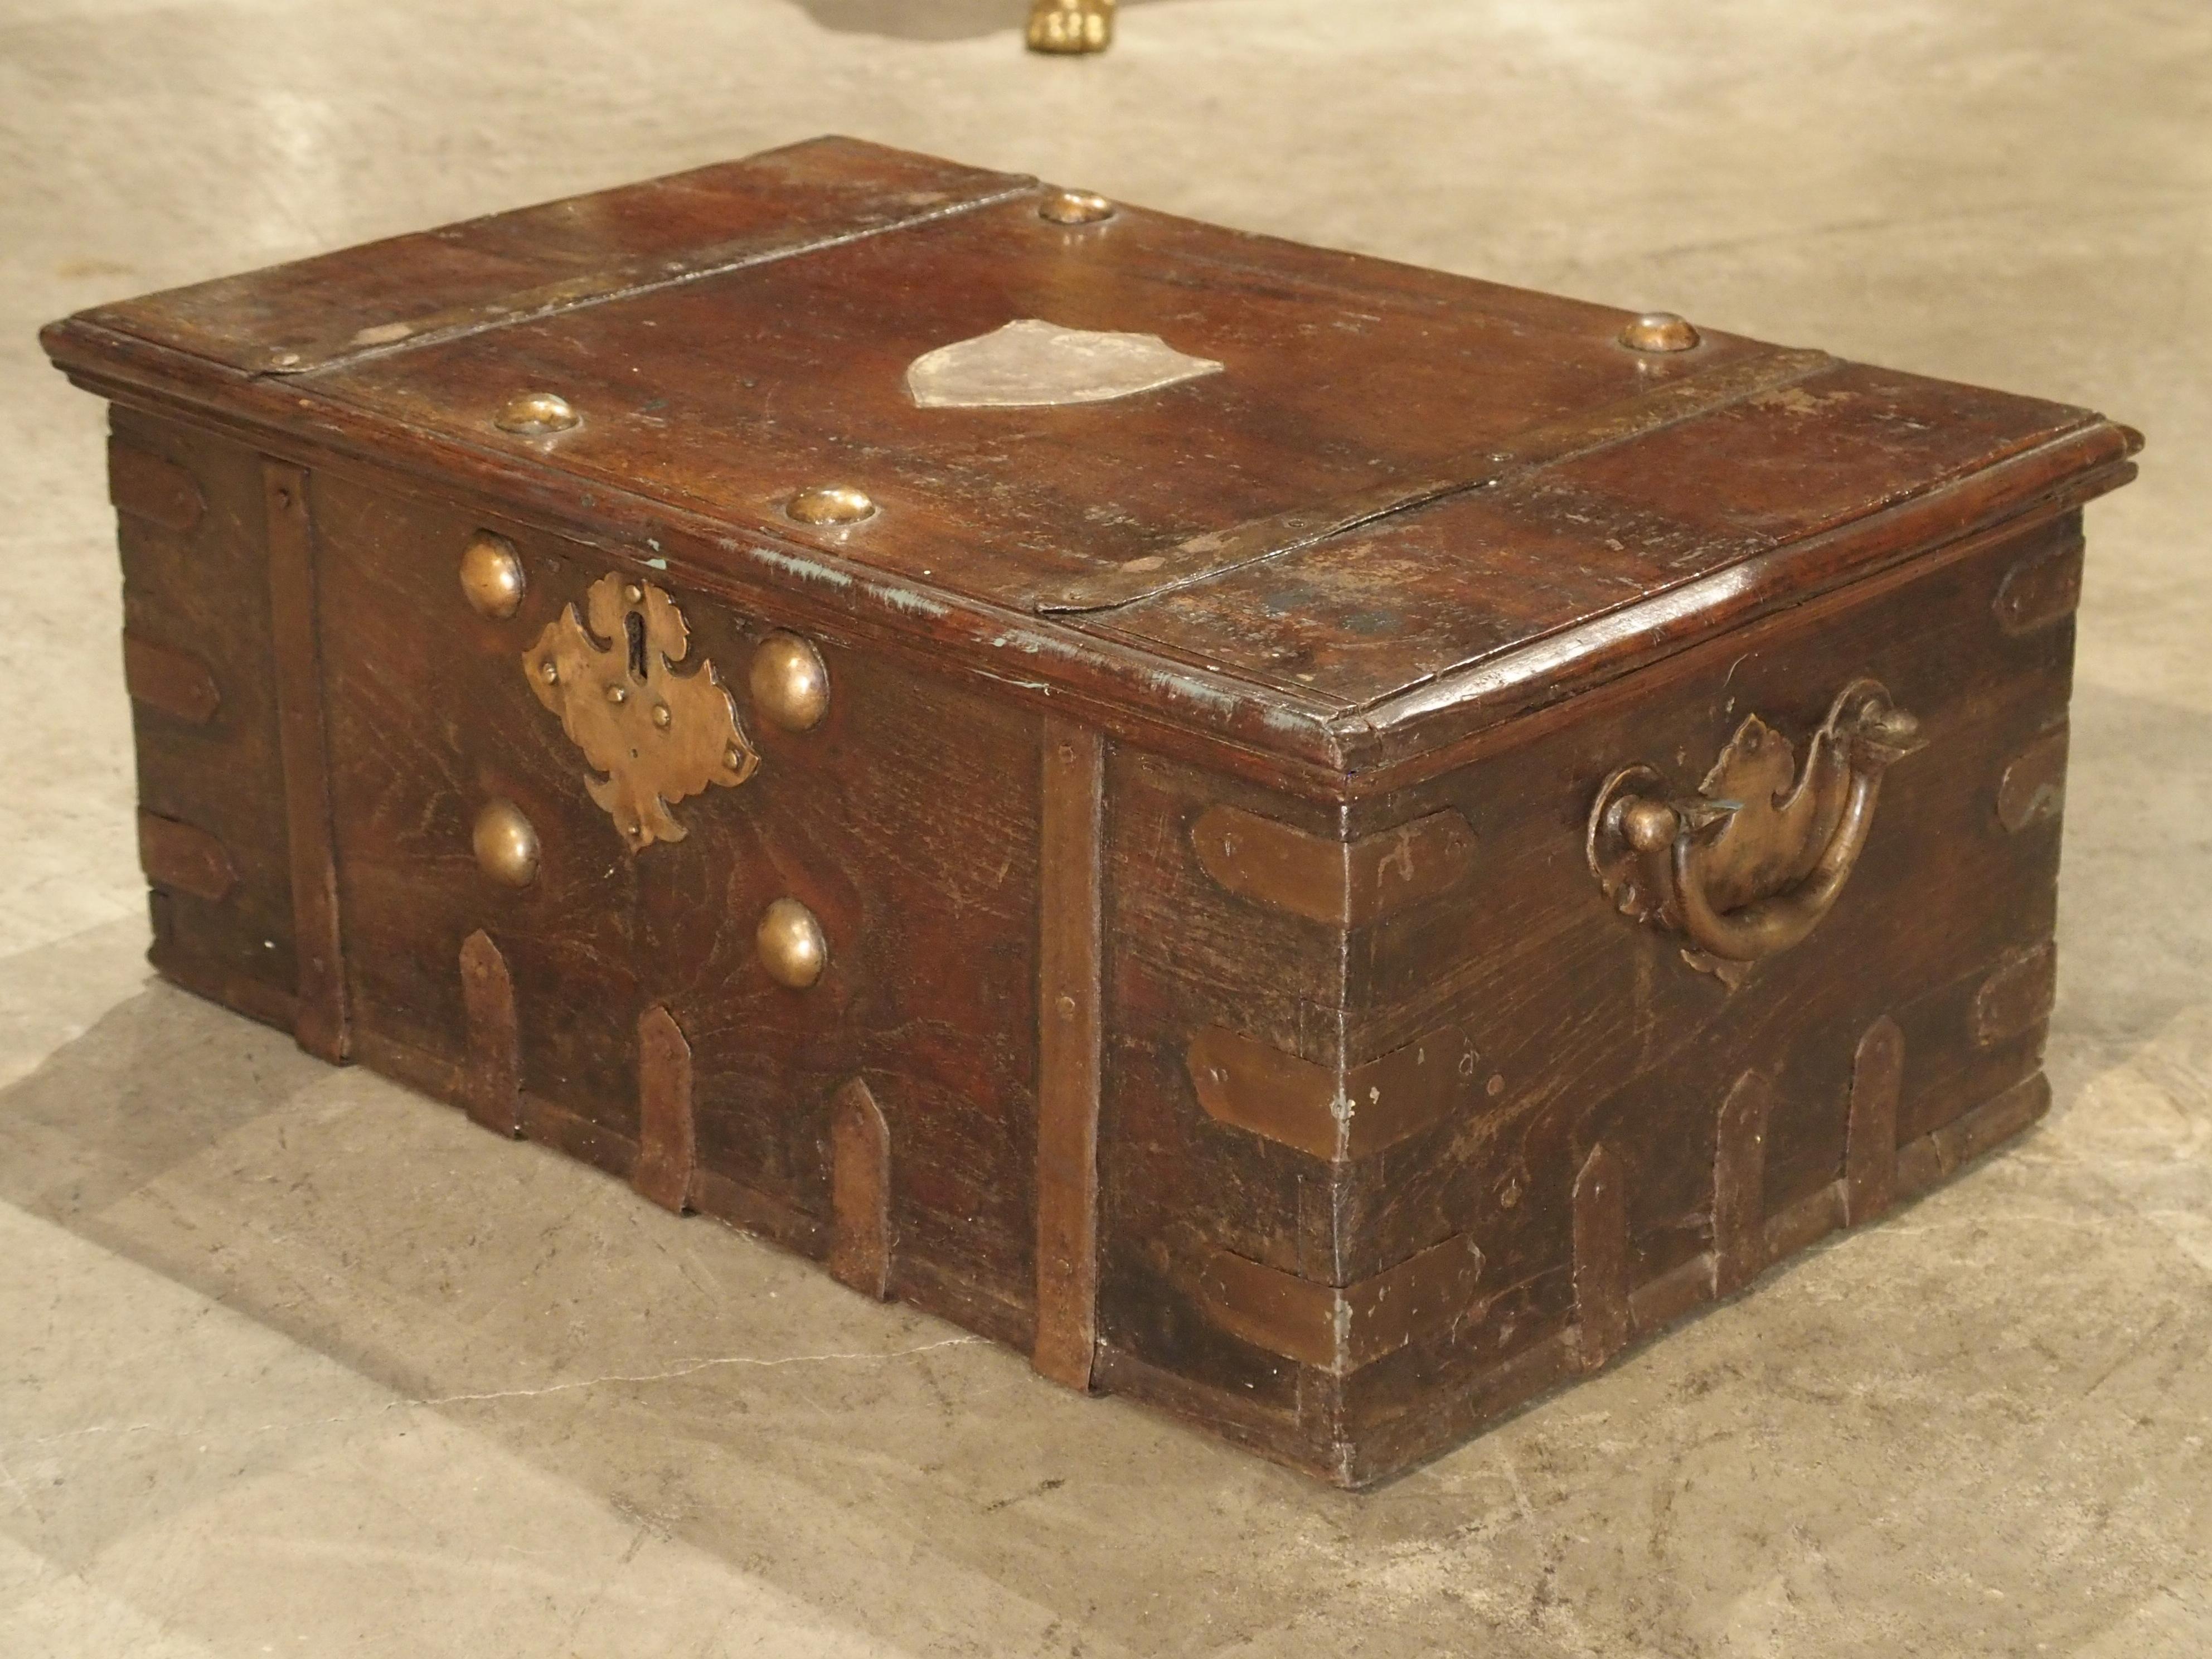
x=689, y=1368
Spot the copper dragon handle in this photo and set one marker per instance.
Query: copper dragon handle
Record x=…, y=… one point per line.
x=1750, y=863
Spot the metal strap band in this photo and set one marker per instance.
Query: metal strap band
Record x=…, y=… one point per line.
x=1205, y=557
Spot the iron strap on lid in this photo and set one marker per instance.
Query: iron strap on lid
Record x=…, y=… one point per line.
x=1682, y=399
x=535, y=262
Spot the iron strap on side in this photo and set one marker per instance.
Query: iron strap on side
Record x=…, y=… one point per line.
x=1070, y=1024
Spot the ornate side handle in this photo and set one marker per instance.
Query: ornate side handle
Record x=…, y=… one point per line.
x=1749, y=864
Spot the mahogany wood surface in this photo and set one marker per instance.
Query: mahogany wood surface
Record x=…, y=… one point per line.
x=1219, y=1002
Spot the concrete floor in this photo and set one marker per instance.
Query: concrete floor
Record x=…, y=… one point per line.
x=293, y=1362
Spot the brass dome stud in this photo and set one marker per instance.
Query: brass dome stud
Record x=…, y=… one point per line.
x=1659, y=331
x=791, y=944
x=1075, y=207
x=790, y=685
x=506, y=844
x=536, y=414
x=492, y=579
x=831, y=504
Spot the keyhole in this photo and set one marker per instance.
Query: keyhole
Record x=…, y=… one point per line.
x=634, y=625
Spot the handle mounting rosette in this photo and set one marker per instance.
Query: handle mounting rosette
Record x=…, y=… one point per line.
x=1749, y=864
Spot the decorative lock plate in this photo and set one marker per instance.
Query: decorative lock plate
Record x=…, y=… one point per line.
x=1750, y=863
x=656, y=734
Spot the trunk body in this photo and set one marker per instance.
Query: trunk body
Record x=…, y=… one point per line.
x=1329, y=923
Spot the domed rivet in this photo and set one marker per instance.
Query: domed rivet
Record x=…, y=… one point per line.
x=617, y=693
x=831, y=504
x=792, y=947
x=661, y=716
x=1075, y=207
x=506, y=844
x=633, y=594
x=549, y=672
x=491, y=576
x=534, y=414
x=790, y=686
x=1659, y=331
x=1648, y=825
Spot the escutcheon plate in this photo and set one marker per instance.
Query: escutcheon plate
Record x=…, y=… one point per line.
x=657, y=735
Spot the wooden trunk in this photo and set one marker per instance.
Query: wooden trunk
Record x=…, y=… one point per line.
x=1327, y=892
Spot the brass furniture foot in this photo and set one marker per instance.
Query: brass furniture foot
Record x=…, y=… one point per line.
x=1071, y=26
